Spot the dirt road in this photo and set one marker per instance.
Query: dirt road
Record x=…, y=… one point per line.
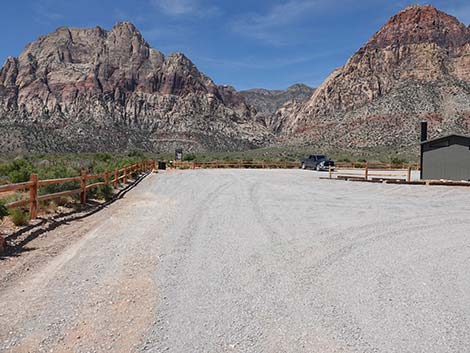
x=248, y=261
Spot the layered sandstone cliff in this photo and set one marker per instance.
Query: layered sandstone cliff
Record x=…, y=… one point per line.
x=416, y=67
x=91, y=89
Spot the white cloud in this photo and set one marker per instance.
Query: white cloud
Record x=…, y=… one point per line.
x=175, y=7
x=45, y=14
x=186, y=7
x=257, y=63
x=270, y=26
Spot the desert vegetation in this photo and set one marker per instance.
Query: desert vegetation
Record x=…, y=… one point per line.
x=51, y=166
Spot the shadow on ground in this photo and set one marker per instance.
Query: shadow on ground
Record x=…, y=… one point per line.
x=21, y=238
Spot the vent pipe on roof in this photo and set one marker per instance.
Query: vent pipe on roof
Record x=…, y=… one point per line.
x=424, y=137
x=424, y=131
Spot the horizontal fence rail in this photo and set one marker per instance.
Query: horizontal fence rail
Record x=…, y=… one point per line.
x=34, y=184
x=235, y=165
x=343, y=171
x=283, y=164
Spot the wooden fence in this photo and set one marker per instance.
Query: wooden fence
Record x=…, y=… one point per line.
x=235, y=164
x=375, y=165
x=108, y=178
x=282, y=165
x=371, y=171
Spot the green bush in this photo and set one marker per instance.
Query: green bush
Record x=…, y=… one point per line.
x=17, y=171
x=58, y=172
x=105, y=192
x=136, y=155
x=3, y=210
x=189, y=157
x=398, y=161
x=19, y=217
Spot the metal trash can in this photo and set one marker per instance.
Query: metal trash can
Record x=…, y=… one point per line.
x=161, y=165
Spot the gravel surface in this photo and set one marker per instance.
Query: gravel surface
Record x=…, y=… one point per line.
x=249, y=261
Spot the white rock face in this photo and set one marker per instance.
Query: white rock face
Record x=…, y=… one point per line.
x=92, y=90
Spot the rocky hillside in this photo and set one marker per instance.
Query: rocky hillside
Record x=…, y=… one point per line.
x=267, y=102
x=416, y=67
x=95, y=90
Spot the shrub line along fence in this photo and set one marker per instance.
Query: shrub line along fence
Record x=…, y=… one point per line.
x=34, y=184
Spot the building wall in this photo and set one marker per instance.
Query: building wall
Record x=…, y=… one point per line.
x=452, y=163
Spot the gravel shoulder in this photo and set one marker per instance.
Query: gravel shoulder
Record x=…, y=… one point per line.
x=249, y=261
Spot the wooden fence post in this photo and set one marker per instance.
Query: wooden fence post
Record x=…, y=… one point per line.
x=408, y=175
x=106, y=177
x=367, y=171
x=330, y=172
x=33, y=196
x=116, y=178
x=83, y=187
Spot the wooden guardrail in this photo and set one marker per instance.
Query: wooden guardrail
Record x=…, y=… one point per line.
x=235, y=164
x=368, y=172
x=375, y=165
x=120, y=175
x=281, y=164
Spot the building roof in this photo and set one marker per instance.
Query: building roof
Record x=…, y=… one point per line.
x=445, y=138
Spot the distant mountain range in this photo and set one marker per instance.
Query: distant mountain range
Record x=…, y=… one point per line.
x=268, y=102
x=85, y=90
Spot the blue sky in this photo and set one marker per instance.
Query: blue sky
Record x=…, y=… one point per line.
x=244, y=43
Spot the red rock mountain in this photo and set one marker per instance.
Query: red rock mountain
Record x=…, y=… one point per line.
x=416, y=67
x=96, y=90
x=92, y=89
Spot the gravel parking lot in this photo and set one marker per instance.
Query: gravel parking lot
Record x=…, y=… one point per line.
x=248, y=261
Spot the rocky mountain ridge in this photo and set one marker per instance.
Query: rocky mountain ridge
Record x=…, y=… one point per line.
x=416, y=67
x=268, y=102
x=85, y=90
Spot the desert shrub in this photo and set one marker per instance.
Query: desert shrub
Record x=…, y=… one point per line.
x=189, y=157
x=103, y=157
x=105, y=192
x=398, y=161
x=19, y=217
x=3, y=210
x=17, y=171
x=49, y=206
x=136, y=155
x=58, y=172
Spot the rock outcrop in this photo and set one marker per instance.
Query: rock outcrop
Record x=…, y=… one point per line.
x=86, y=90
x=268, y=102
x=416, y=67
